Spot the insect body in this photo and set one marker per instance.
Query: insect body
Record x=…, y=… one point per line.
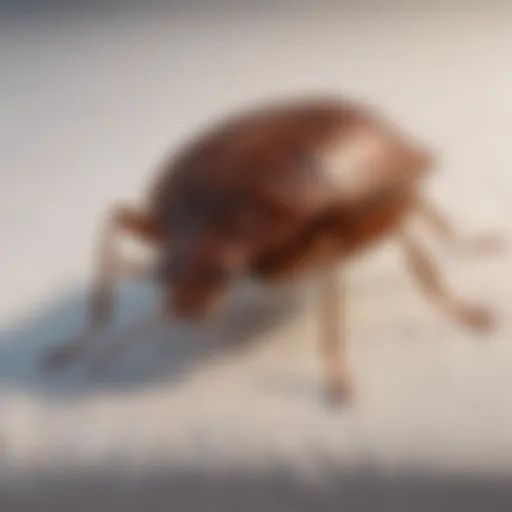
x=284, y=189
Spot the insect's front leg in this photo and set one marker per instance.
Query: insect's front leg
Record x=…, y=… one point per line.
x=451, y=236
x=110, y=267
x=330, y=300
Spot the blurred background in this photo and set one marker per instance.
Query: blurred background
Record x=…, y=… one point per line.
x=92, y=95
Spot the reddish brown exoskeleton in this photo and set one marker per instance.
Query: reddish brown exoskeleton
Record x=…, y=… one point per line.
x=289, y=188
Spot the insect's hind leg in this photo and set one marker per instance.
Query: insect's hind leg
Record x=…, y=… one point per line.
x=428, y=277
x=451, y=236
x=110, y=266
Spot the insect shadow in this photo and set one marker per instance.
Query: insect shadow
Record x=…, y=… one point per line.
x=164, y=357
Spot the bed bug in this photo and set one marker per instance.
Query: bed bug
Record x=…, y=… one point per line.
x=280, y=190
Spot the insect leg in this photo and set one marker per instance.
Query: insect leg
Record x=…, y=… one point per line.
x=428, y=277
x=332, y=340
x=109, y=268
